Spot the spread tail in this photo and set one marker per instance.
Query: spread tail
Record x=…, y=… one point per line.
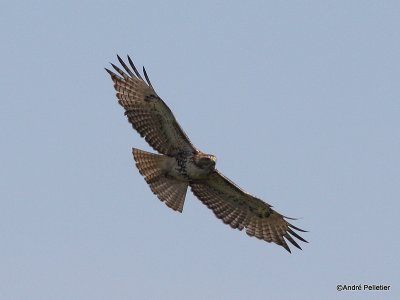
x=152, y=167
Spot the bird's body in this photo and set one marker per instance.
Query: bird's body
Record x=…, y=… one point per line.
x=180, y=165
x=187, y=167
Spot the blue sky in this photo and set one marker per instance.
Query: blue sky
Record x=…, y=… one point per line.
x=299, y=100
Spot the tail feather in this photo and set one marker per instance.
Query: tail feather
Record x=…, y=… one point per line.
x=168, y=190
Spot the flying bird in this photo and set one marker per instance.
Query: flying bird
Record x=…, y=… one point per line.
x=180, y=164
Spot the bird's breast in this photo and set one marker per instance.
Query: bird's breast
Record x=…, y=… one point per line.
x=185, y=169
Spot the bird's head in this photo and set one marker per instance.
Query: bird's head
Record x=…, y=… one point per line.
x=205, y=161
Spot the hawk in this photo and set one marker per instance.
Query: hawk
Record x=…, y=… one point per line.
x=180, y=164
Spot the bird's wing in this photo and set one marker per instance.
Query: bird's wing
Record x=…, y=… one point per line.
x=147, y=112
x=240, y=210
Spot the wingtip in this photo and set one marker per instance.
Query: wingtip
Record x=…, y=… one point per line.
x=121, y=60
x=147, y=77
x=130, y=60
x=297, y=228
x=134, y=68
x=294, y=244
x=287, y=248
x=109, y=72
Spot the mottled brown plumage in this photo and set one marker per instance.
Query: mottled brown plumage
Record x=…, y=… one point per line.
x=180, y=164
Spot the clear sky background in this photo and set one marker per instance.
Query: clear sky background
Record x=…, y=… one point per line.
x=299, y=100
